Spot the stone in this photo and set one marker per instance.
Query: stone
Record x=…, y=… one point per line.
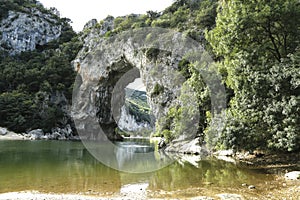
x=90, y=24
x=187, y=146
x=3, y=131
x=36, y=134
x=106, y=67
x=251, y=187
x=294, y=175
x=224, y=153
x=226, y=196
x=162, y=143
x=55, y=135
x=28, y=29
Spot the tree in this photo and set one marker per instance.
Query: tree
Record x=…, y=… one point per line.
x=257, y=40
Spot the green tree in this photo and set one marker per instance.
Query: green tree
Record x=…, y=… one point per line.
x=256, y=40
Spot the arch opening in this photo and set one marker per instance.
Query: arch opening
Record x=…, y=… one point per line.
x=136, y=118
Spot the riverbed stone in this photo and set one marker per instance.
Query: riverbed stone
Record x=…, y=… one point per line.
x=251, y=187
x=294, y=175
x=3, y=131
x=224, y=153
x=187, y=147
x=226, y=196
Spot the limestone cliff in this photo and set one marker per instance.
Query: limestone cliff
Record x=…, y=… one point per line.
x=36, y=48
x=28, y=28
x=106, y=65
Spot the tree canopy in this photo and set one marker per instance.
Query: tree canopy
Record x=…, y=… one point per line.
x=258, y=42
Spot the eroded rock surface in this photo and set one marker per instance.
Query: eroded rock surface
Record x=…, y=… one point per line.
x=26, y=30
x=107, y=65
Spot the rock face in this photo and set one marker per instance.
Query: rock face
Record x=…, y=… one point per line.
x=135, y=114
x=24, y=31
x=107, y=65
x=128, y=122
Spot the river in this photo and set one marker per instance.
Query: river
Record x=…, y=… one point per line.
x=67, y=167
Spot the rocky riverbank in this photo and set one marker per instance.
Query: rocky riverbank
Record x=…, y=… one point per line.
x=65, y=133
x=37, y=196
x=287, y=191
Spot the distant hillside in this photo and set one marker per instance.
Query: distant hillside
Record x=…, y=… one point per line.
x=136, y=102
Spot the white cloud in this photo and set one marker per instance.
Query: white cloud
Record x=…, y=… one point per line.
x=81, y=11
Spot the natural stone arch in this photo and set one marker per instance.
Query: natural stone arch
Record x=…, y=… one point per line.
x=105, y=67
x=154, y=52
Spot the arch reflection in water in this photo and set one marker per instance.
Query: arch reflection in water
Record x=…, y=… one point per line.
x=67, y=167
x=133, y=156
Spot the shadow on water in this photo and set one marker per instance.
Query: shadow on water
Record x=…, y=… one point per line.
x=67, y=167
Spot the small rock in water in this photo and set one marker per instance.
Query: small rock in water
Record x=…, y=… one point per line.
x=251, y=187
x=294, y=175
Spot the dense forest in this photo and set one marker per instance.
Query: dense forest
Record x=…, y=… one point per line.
x=255, y=44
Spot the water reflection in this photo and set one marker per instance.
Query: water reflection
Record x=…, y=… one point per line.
x=133, y=156
x=67, y=167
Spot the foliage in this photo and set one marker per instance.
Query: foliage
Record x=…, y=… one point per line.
x=29, y=80
x=22, y=6
x=257, y=41
x=158, y=89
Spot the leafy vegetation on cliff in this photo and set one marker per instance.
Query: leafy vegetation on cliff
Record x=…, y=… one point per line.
x=31, y=83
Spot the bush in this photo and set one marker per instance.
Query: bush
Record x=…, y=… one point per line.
x=158, y=89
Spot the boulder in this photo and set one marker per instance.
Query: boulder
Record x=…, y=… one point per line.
x=187, y=147
x=36, y=134
x=55, y=135
x=224, y=153
x=3, y=131
x=294, y=175
x=62, y=133
x=162, y=143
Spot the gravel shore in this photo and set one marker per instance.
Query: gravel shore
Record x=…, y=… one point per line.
x=41, y=196
x=11, y=136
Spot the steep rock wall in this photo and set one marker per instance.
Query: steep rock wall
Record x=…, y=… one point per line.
x=24, y=31
x=107, y=65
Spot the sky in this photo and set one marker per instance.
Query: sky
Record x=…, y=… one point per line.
x=137, y=84
x=81, y=11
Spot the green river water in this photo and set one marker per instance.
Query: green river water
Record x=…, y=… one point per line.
x=67, y=167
